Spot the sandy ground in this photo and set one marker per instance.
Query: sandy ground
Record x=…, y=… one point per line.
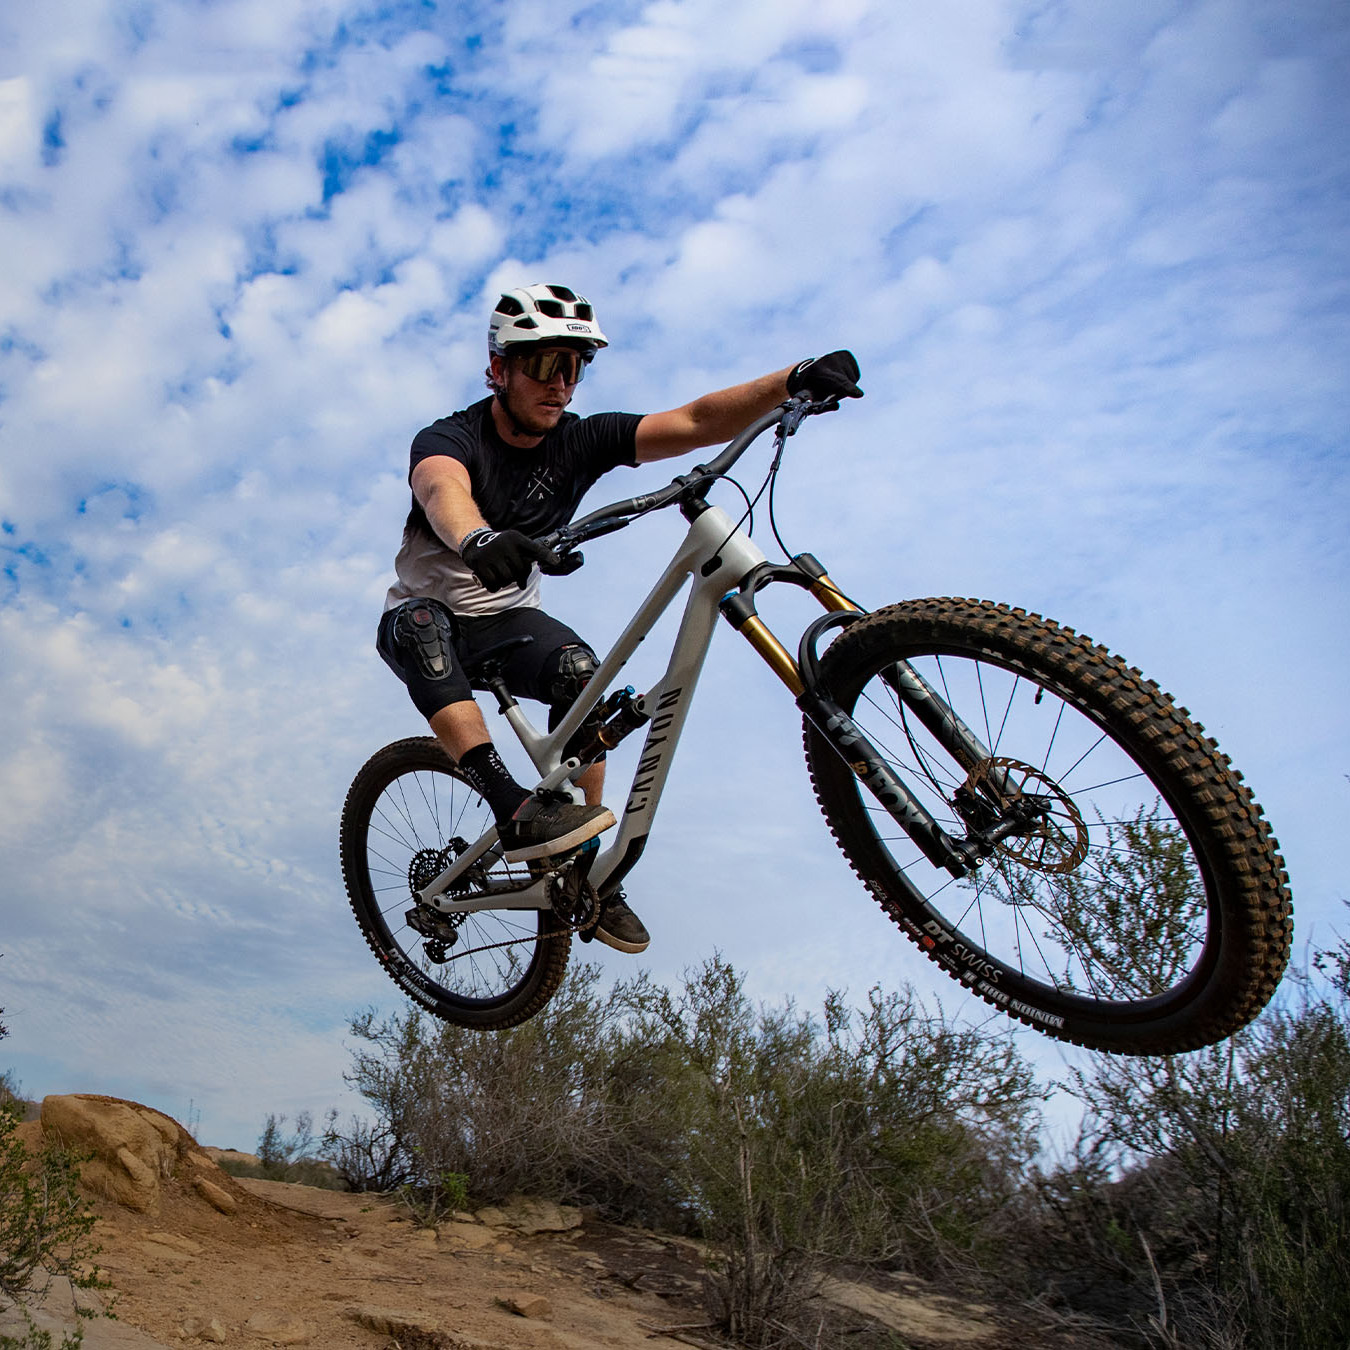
x=295, y=1265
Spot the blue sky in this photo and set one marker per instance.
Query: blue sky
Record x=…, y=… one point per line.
x=1091, y=259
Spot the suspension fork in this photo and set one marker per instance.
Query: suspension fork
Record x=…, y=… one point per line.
x=847, y=738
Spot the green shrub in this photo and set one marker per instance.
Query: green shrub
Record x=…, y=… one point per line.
x=45, y=1224
x=1208, y=1202
x=561, y=1106
x=881, y=1135
x=436, y=1199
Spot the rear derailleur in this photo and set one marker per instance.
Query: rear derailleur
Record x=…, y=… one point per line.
x=441, y=931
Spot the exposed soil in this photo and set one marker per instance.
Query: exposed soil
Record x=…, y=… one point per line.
x=317, y=1258
x=297, y=1265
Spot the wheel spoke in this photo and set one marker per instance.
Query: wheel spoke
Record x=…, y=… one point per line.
x=1054, y=733
x=1012, y=693
x=1069, y=772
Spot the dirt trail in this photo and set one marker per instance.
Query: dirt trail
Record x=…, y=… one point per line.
x=196, y=1256
x=296, y=1265
x=301, y=1266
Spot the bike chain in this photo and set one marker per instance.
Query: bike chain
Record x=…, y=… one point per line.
x=592, y=917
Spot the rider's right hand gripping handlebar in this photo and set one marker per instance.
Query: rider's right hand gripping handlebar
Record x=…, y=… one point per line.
x=567, y=563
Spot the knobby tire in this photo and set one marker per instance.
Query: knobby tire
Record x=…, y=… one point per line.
x=1169, y=925
x=403, y=809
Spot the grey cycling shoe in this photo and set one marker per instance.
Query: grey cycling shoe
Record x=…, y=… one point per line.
x=550, y=823
x=620, y=928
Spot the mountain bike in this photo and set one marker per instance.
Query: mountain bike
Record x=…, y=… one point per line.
x=1043, y=822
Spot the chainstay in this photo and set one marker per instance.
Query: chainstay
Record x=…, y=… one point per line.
x=591, y=918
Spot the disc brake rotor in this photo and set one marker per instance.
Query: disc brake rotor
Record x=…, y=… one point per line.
x=1054, y=838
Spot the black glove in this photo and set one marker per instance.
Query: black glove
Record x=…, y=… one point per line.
x=832, y=376
x=501, y=558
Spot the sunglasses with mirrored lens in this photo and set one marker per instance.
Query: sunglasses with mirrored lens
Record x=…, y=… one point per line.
x=543, y=366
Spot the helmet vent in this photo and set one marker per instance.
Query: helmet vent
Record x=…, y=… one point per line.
x=584, y=311
x=563, y=293
x=526, y=322
x=510, y=306
x=552, y=308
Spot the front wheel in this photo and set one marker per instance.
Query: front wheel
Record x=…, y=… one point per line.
x=1132, y=898
x=408, y=814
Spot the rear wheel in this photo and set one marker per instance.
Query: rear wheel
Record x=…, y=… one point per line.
x=1136, y=901
x=407, y=816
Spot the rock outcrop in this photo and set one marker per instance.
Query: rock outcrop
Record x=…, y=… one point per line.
x=134, y=1150
x=224, y=1156
x=527, y=1214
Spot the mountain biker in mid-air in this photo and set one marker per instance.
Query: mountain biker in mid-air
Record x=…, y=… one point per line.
x=484, y=481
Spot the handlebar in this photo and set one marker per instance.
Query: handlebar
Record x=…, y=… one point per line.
x=692, y=486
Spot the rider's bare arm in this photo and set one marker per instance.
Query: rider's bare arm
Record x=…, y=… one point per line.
x=445, y=492
x=709, y=420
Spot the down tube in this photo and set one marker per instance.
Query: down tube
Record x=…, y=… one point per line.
x=675, y=693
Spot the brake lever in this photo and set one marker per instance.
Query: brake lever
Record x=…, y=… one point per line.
x=800, y=408
x=566, y=565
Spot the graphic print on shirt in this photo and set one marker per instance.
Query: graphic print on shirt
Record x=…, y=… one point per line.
x=543, y=485
x=534, y=492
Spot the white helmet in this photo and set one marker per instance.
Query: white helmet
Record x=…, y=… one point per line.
x=544, y=314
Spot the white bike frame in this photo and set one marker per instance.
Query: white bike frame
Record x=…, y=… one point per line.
x=723, y=567
x=716, y=556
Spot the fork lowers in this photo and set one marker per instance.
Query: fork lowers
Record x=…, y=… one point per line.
x=870, y=768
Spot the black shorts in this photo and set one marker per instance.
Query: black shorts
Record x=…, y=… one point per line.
x=529, y=669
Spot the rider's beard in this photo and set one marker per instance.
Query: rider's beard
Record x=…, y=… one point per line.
x=528, y=420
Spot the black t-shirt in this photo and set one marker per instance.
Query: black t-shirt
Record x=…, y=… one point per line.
x=533, y=491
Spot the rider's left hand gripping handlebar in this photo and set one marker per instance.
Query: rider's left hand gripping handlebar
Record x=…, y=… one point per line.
x=833, y=376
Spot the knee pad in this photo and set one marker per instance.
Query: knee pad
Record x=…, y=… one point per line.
x=424, y=634
x=568, y=672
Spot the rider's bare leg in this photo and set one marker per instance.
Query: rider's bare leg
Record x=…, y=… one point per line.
x=459, y=727
x=592, y=783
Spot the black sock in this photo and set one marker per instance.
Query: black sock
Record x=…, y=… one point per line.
x=492, y=780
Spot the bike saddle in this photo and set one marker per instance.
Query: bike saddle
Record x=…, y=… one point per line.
x=487, y=665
